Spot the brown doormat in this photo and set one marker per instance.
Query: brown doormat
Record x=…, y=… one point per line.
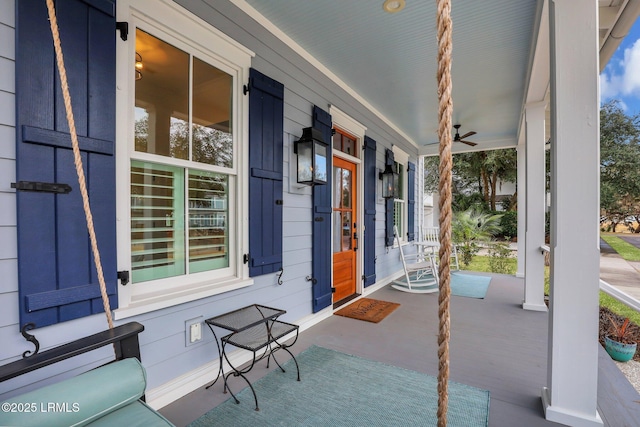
x=370, y=310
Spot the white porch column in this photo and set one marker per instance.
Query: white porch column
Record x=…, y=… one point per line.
x=535, y=207
x=522, y=190
x=420, y=196
x=571, y=395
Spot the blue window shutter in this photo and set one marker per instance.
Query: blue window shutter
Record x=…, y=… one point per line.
x=370, y=179
x=411, y=201
x=266, y=116
x=389, y=160
x=57, y=275
x=321, y=252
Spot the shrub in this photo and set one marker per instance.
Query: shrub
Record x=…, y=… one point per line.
x=509, y=224
x=499, y=254
x=471, y=227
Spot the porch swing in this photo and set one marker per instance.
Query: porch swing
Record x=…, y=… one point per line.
x=112, y=392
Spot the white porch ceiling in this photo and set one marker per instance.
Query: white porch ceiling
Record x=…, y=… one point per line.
x=390, y=59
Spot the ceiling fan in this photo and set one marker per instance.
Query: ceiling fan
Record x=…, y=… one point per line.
x=458, y=138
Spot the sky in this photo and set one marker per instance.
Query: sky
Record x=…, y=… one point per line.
x=620, y=80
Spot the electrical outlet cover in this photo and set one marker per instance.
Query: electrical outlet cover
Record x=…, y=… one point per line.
x=196, y=332
x=193, y=331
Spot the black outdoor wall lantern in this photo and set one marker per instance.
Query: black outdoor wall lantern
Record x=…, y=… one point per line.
x=312, y=157
x=388, y=178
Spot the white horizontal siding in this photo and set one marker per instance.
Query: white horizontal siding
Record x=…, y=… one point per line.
x=9, y=270
x=13, y=344
x=7, y=12
x=8, y=248
x=7, y=107
x=7, y=42
x=9, y=313
x=8, y=211
x=8, y=136
x=7, y=71
x=8, y=244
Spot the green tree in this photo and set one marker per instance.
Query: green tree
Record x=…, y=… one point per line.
x=619, y=164
x=476, y=172
x=498, y=166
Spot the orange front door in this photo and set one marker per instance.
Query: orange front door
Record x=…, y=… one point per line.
x=345, y=232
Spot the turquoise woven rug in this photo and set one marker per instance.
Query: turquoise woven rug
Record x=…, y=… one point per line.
x=337, y=389
x=463, y=285
x=467, y=285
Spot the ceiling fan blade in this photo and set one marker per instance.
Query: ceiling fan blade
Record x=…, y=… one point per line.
x=468, y=134
x=473, y=144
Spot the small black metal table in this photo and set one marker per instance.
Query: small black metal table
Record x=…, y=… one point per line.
x=253, y=328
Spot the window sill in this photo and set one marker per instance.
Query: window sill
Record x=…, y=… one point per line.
x=145, y=303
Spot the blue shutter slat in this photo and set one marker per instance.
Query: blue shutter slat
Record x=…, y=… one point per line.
x=57, y=277
x=266, y=117
x=322, y=295
x=389, y=159
x=370, y=177
x=411, y=201
x=57, y=139
x=73, y=22
x=102, y=67
x=39, y=301
x=266, y=174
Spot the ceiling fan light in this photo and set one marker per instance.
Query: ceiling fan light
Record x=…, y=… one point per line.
x=393, y=6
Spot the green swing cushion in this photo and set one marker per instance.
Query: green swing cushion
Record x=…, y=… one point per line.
x=104, y=396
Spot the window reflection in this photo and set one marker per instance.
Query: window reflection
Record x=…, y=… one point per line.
x=346, y=188
x=162, y=98
x=344, y=142
x=166, y=123
x=212, y=133
x=342, y=206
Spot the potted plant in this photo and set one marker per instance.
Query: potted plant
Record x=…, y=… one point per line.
x=617, y=344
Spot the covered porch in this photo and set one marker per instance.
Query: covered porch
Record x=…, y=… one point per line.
x=495, y=345
x=525, y=73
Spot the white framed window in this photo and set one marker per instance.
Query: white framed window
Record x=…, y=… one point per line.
x=400, y=202
x=182, y=143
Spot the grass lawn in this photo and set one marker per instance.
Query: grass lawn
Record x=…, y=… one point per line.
x=624, y=249
x=630, y=253
x=617, y=307
x=481, y=263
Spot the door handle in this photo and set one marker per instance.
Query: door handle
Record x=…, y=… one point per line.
x=355, y=237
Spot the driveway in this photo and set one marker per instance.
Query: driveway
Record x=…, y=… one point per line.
x=618, y=272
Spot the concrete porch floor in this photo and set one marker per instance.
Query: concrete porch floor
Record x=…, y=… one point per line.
x=495, y=345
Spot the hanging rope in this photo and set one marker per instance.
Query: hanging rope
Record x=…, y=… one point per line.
x=77, y=158
x=445, y=107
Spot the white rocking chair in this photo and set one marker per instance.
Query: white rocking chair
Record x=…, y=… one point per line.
x=432, y=235
x=420, y=274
